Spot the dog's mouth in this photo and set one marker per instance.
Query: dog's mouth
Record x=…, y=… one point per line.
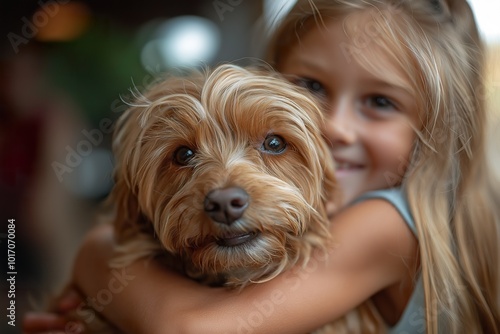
x=236, y=239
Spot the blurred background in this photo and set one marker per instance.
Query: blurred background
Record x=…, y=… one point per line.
x=64, y=66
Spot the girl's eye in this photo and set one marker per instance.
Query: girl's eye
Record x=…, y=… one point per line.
x=380, y=102
x=183, y=155
x=311, y=85
x=274, y=144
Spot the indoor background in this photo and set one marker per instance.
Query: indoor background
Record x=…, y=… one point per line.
x=65, y=67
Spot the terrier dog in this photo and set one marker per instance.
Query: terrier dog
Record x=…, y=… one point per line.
x=227, y=171
x=224, y=175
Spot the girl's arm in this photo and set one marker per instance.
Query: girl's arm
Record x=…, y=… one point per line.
x=373, y=249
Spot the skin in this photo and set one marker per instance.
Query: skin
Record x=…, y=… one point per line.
x=160, y=301
x=367, y=117
x=367, y=124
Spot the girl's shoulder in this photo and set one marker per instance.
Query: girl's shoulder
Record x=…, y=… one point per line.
x=397, y=198
x=378, y=230
x=381, y=232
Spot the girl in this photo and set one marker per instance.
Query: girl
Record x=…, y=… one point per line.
x=400, y=84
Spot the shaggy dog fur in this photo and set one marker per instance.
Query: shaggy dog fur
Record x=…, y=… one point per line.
x=224, y=175
x=227, y=171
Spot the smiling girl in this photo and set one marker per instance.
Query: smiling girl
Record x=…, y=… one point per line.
x=417, y=236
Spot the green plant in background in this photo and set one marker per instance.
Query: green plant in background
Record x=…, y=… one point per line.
x=96, y=68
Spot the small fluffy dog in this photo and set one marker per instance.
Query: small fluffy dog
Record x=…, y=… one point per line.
x=225, y=170
x=224, y=174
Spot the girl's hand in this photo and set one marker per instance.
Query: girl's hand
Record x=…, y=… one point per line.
x=58, y=321
x=43, y=322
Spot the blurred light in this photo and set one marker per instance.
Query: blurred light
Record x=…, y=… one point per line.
x=93, y=177
x=275, y=10
x=486, y=13
x=61, y=22
x=183, y=41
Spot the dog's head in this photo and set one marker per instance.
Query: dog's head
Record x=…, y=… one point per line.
x=226, y=168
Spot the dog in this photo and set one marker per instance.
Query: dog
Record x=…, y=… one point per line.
x=227, y=171
x=224, y=175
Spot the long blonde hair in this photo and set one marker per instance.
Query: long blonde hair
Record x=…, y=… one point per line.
x=450, y=186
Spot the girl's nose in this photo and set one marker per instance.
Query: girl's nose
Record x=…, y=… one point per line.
x=340, y=124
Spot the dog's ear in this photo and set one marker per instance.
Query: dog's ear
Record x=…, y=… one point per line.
x=133, y=231
x=131, y=175
x=330, y=190
x=128, y=221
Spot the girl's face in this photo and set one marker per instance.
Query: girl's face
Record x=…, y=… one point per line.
x=368, y=116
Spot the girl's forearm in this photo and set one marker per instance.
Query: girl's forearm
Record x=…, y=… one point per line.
x=108, y=291
x=147, y=298
x=136, y=298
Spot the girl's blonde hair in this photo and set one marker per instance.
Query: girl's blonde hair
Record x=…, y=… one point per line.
x=450, y=186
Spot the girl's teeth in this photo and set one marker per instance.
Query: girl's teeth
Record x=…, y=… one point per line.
x=346, y=165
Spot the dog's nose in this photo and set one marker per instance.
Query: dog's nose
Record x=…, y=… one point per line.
x=226, y=205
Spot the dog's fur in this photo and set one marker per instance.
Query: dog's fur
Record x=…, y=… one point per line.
x=221, y=130
x=227, y=118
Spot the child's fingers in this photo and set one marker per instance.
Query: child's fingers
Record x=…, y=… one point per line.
x=40, y=323
x=36, y=322
x=69, y=301
x=49, y=332
x=55, y=322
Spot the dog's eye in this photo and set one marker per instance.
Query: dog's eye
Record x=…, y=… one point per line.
x=183, y=155
x=274, y=144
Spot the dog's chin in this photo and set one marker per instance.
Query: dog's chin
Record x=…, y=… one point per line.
x=236, y=239
x=242, y=256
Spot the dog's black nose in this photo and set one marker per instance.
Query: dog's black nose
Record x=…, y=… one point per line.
x=226, y=205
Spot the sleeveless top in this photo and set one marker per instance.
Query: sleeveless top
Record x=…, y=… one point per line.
x=413, y=318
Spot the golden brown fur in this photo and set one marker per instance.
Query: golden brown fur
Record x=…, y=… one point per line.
x=224, y=117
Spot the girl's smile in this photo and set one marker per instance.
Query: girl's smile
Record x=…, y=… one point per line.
x=346, y=168
x=369, y=115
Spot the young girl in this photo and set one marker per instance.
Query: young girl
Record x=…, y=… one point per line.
x=400, y=83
